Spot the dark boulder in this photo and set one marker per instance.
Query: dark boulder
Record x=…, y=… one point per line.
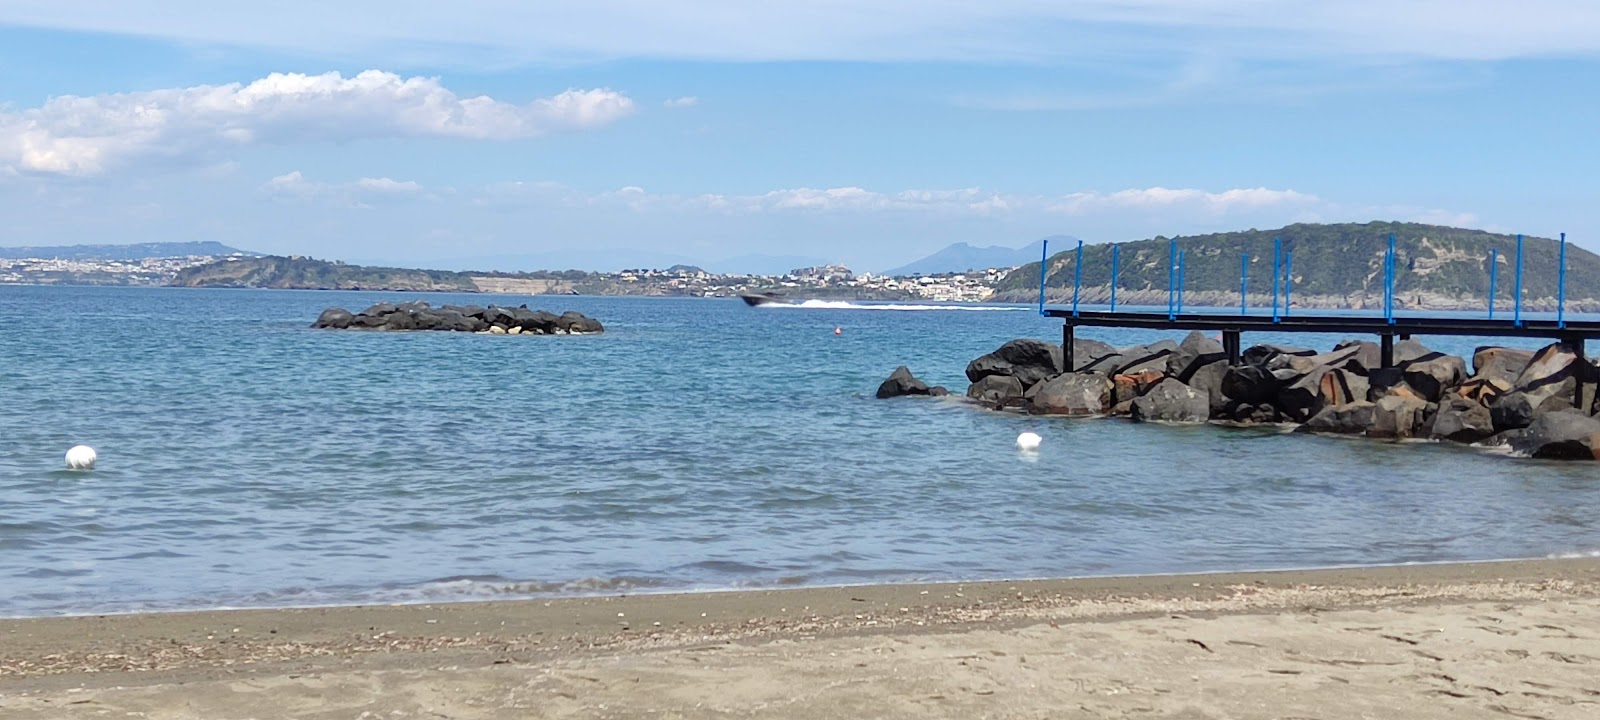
x=1085, y=352
x=380, y=309
x=1026, y=359
x=1127, y=387
x=1461, y=420
x=1172, y=401
x=1483, y=390
x=1261, y=354
x=1553, y=371
x=1501, y=363
x=1300, y=397
x=1208, y=380
x=997, y=391
x=334, y=318
x=1516, y=410
x=1410, y=350
x=1250, y=384
x=1383, y=382
x=1075, y=394
x=1341, y=386
x=1433, y=374
x=1146, y=357
x=499, y=316
x=574, y=322
x=401, y=321
x=1351, y=418
x=1367, y=355
x=1560, y=435
x=1397, y=417
x=901, y=383
x=1196, y=351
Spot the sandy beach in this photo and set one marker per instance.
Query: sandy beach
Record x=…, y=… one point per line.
x=1513, y=639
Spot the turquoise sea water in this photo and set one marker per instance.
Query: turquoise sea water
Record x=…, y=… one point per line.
x=246, y=460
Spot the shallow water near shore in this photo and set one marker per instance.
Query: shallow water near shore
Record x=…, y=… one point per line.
x=246, y=460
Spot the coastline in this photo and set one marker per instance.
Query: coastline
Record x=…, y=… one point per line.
x=687, y=645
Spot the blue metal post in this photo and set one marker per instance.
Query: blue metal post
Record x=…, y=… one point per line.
x=1389, y=283
x=1077, y=277
x=1244, y=283
x=1561, y=286
x=1114, y=249
x=1288, y=280
x=1516, y=313
x=1277, y=265
x=1044, y=265
x=1172, y=274
x=1180, y=281
x=1494, y=270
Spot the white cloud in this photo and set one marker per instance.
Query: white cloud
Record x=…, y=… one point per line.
x=83, y=136
x=387, y=185
x=849, y=29
x=965, y=201
x=362, y=193
x=682, y=102
x=1159, y=197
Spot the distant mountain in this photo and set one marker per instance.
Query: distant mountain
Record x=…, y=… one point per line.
x=136, y=251
x=962, y=257
x=1336, y=265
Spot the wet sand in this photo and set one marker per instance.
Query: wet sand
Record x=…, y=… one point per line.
x=1493, y=640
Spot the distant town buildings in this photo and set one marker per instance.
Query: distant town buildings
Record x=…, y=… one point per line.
x=832, y=281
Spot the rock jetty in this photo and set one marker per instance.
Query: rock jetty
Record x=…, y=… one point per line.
x=490, y=320
x=1539, y=404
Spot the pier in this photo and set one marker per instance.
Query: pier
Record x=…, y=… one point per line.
x=1387, y=326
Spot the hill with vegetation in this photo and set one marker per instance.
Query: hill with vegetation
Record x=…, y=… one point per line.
x=135, y=251
x=1333, y=265
x=305, y=273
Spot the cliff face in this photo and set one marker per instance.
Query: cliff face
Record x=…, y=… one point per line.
x=300, y=273
x=1333, y=266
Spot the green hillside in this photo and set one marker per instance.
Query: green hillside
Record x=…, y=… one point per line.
x=1438, y=265
x=308, y=274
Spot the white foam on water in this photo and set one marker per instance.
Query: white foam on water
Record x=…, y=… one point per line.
x=846, y=305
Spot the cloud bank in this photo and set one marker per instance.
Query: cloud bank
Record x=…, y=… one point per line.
x=871, y=30
x=86, y=136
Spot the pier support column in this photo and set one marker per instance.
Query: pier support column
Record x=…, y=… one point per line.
x=1386, y=358
x=1230, y=346
x=1066, y=347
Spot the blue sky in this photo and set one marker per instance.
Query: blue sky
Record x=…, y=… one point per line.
x=610, y=133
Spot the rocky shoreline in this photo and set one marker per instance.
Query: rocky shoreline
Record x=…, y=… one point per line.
x=1538, y=404
x=491, y=320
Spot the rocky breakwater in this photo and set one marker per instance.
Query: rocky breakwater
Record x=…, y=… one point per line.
x=490, y=320
x=1537, y=403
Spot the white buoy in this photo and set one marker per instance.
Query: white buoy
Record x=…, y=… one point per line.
x=1028, y=442
x=80, y=457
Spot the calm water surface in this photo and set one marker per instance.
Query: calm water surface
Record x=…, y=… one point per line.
x=246, y=460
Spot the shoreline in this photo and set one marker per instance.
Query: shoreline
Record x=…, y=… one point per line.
x=1418, y=640
x=687, y=593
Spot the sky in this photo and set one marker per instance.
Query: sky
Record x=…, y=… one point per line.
x=745, y=136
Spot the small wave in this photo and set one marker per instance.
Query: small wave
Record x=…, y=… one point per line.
x=846, y=305
x=1575, y=555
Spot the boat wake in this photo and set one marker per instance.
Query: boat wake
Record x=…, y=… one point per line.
x=846, y=305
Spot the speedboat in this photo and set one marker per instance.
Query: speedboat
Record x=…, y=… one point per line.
x=754, y=299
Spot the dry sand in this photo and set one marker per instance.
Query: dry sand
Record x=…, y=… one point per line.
x=1493, y=640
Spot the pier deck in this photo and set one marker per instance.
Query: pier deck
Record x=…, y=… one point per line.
x=1231, y=327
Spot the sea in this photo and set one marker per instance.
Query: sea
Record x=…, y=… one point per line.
x=246, y=460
